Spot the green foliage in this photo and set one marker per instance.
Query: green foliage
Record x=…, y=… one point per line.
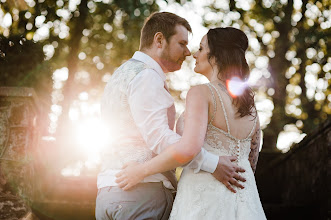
x=93, y=36
x=19, y=57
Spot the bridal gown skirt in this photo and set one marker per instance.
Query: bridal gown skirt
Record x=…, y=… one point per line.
x=201, y=196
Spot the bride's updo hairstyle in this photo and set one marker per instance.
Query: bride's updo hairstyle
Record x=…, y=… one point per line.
x=227, y=50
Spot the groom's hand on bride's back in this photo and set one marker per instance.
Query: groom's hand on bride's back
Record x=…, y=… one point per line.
x=227, y=172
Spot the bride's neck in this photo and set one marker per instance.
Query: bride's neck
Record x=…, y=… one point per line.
x=212, y=75
x=213, y=78
x=217, y=81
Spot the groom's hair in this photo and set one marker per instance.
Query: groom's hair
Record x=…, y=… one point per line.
x=164, y=22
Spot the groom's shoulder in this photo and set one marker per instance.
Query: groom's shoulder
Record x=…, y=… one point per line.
x=132, y=64
x=129, y=69
x=150, y=74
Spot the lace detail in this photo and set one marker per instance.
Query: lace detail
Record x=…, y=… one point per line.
x=201, y=196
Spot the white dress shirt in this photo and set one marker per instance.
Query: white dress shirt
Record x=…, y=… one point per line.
x=150, y=104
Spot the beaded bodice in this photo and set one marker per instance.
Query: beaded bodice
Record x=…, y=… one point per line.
x=223, y=142
x=218, y=141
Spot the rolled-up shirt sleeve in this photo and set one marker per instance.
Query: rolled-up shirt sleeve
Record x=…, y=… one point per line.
x=204, y=161
x=149, y=102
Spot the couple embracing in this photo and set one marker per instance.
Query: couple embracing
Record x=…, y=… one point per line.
x=216, y=140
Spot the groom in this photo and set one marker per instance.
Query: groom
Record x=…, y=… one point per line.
x=140, y=111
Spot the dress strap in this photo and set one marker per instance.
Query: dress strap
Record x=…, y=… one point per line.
x=250, y=134
x=225, y=115
x=214, y=103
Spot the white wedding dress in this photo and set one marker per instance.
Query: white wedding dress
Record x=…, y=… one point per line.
x=200, y=196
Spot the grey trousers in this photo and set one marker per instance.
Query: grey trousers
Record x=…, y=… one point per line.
x=144, y=201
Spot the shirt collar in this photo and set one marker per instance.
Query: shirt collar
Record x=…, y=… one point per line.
x=138, y=55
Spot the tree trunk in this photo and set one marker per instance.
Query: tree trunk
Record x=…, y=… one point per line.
x=78, y=24
x=308, y=106
x=278, y=66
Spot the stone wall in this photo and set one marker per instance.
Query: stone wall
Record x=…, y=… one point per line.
x=30, y=179
x=19, y=138
x=295, y=184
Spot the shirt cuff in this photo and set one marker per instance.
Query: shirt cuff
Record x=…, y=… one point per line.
x=204, y=161
x=210, y=162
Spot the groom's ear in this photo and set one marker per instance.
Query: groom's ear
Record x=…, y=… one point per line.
x=158, y=39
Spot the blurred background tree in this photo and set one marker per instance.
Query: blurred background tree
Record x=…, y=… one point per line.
x=299, y=61
x=88, y=38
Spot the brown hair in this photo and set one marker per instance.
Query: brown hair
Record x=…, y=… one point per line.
x=227, y=46
x=164, y=22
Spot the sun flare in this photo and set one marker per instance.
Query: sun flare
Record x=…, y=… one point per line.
x=92, y=135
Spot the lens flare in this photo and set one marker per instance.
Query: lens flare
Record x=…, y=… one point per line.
x=236, y=86
x=92, y=135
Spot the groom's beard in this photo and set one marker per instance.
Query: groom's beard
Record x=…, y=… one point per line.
x=169, y=62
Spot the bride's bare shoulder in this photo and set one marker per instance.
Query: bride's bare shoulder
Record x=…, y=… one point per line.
x=201, y=89
x=199, y=92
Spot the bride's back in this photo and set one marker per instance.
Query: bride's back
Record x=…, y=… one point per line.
x=240, y=127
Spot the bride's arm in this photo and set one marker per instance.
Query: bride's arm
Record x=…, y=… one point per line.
x=255, y=145
x=180, y=153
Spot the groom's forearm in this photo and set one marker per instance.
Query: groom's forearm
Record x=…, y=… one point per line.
x=173, y=156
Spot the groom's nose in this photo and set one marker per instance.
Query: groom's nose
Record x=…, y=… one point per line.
x=187, y=52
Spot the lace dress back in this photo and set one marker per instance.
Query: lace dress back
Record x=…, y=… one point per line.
x=201, y=196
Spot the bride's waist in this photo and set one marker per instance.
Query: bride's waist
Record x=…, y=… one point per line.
x=191, y=175
x=225, y=152
x=220, y=150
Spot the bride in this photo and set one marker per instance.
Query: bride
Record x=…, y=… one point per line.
x=221, y=117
